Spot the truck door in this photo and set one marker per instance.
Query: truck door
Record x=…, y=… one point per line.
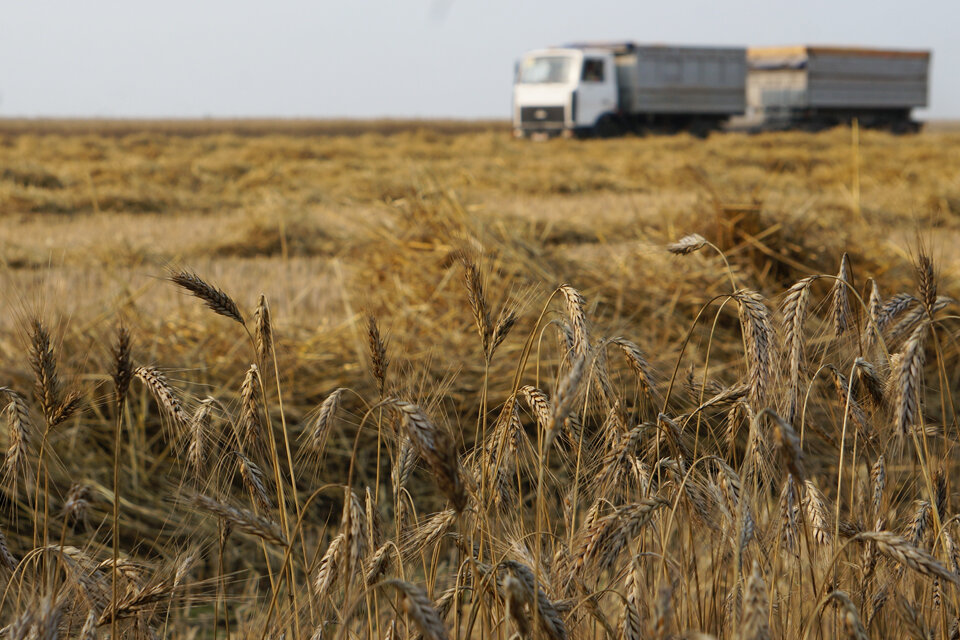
x=596, y=91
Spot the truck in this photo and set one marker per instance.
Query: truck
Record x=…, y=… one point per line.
x=607, y=89
x=813, y=87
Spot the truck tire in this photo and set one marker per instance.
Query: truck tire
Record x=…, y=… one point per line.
x=607, y=126
x=904, y=127
x=702, y=127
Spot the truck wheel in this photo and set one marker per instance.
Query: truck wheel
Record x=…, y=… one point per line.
x=904, y=127
x=701, y=127
x=607, y=126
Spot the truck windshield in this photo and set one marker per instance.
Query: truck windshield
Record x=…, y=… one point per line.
x=545, y=69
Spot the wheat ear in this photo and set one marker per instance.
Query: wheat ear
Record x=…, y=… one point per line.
x=908, y=379
x=263, y=329
x=163, y=393
x=759, y=338
x=755, y=624
x=417, y=604
x=840, y=306
x=906, y=554
x=379, y=363
x=215, y=298
x=687, y=244
x=244, y=520
x=437, y=449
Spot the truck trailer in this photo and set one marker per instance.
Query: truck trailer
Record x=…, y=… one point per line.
x=609, y=89
x=814, y=88
x=605, y=89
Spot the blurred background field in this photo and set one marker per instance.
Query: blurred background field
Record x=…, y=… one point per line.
x=278, y=212
x=332, y=227
x=364, y=219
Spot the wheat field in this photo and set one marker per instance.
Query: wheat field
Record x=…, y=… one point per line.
x=411, y=381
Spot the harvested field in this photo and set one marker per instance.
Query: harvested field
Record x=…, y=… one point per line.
x=505, y=387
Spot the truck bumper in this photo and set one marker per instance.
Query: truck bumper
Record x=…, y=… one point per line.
x=538, y=133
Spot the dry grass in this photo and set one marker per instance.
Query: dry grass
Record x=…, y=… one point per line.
x=399, y=413
x=242, y=126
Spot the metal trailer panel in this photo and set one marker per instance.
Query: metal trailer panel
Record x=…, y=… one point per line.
x=682, y=80
x=785, y=78
x=840, y=80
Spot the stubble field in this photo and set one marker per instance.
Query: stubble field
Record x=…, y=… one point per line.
x=489, y=400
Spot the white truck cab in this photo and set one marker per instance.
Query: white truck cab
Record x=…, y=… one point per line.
x=564, y=90
x=610, y=88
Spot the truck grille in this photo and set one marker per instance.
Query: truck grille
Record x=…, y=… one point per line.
x=550, y=116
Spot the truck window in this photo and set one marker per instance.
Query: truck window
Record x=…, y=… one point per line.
x=545, y=69
x=592, y=70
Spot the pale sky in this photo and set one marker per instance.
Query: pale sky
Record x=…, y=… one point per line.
x=396, y=58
